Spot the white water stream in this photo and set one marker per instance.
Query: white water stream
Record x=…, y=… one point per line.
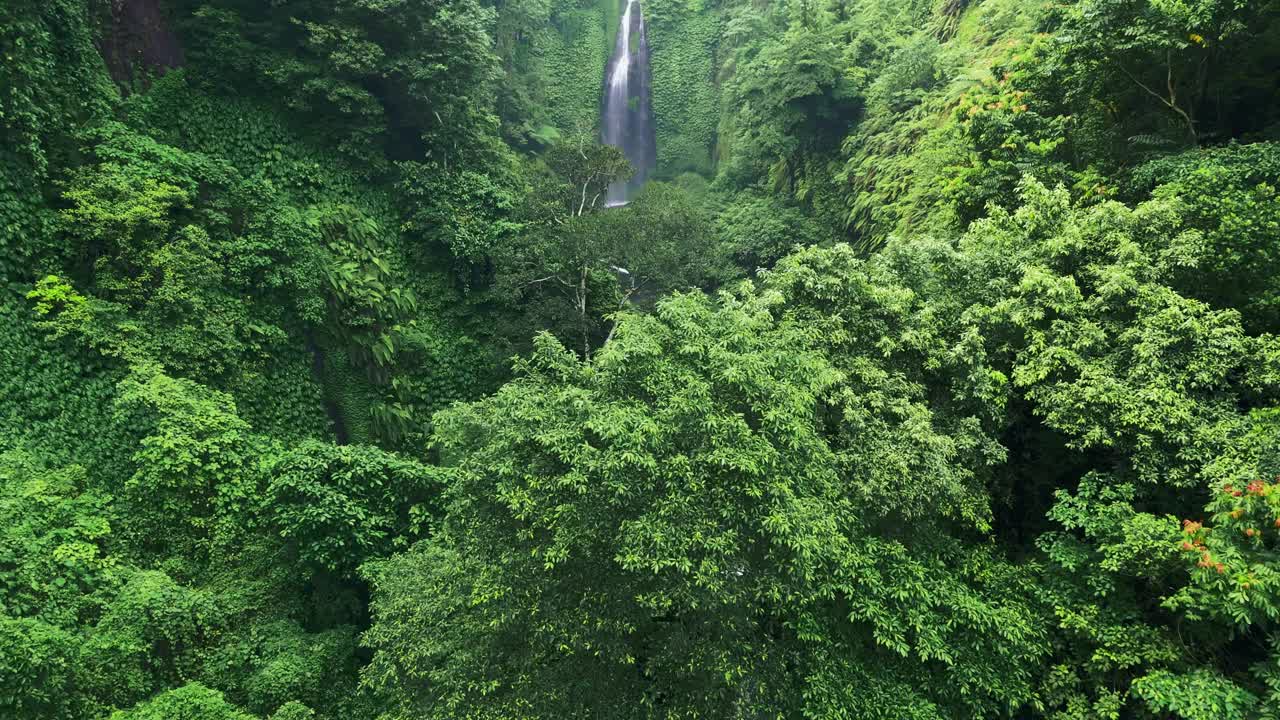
x=627, y=117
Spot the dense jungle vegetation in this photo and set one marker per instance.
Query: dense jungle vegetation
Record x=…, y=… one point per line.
x=936, y=374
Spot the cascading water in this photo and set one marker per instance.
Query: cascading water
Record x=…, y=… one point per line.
x=627, y=121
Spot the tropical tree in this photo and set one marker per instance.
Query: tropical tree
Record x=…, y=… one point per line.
x=699, y=520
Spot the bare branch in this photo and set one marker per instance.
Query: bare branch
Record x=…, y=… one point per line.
x=1171, y=102
x=612, y=329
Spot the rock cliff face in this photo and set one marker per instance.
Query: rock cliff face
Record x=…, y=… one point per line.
x=138, y=42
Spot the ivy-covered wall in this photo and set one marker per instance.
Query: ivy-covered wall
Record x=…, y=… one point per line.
x=51, y=80
x=683, y=40
x=574, y=52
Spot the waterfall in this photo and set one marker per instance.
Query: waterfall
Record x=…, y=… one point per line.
x=627, y=116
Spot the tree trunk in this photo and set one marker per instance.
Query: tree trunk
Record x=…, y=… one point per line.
x=582, y=312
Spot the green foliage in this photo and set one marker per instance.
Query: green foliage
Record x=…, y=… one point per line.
x=1229, y=194
x=253, y=414
x=351, y=394
x=53, y=77
x=164, y=261
x=293, y=710
x=56, y=547
x=37, y=670
x=1199, y=695
x=406, y=79
x=319, y=268
x=196, y=474
x=340, y=506
x=1236, y=584
x=683, y=40
x=148, y=638
x=189, y=702
x=366, y=301
x=944, y=107
x=519, y=103
x=920, y=158
x=637, y=521
x=792, y=100
x=573, y=51
x=194, y=249
x=56, y=401
x=1009, y=136
x=757, y=230
x=284, y=633
x=1173, y=55
x=576, y=262
x=51, y=81
x=285, y=662
x=580, y=172
x=465, y=212
x=58, y=568
x=1115, y=358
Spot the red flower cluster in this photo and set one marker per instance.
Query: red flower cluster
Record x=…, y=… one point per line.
x=1206, y=561
x=1196, y=533
x=1192, y=529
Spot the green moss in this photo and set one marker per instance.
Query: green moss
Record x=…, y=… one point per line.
x=683, y=40
x=283, y=400
x=612, y=24
x=352, y=394
x=574, y=52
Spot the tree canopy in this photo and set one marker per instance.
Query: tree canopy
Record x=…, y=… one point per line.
x=934, y=372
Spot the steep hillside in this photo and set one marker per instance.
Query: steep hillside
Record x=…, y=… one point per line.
x=934, y=374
